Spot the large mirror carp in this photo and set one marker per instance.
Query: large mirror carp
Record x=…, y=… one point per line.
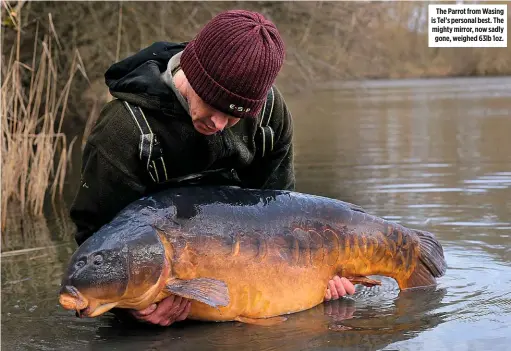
x=241, y=254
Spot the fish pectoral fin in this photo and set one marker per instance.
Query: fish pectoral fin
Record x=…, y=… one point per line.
x=212, y=292
x=261, y=321
x=364, y=281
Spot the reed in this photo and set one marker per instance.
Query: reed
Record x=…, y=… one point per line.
x=35, y=151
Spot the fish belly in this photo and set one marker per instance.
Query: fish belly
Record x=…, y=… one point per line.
x=264, y=290
x=265, y=277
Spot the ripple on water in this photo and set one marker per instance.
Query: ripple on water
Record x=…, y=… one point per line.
x=494, y=181
x=428, y=153
x=478, y=288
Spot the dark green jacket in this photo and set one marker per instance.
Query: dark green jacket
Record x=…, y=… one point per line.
x=113, y=174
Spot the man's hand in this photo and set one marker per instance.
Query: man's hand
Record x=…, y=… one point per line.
x=338, y=287
x=169, y=310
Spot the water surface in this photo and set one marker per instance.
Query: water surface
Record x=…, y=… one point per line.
x=430, y=154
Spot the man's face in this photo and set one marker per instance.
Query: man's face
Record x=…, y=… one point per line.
x=206, y=119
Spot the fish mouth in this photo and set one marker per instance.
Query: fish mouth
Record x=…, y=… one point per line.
x=95, y=310
x=71, y=299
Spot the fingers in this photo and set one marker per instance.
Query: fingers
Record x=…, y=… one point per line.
x=328, y=295
x=185, y=312
x=169, y=310
x=145, y=311
x=168, y=304
x=338, y=287
x=348, y=286
x=179, y=313
x=333, y=290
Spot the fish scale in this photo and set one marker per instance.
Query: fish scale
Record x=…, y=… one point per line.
x=243, y=254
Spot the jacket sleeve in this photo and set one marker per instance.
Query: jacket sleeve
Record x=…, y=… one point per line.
x=276, y=169
x=110, y=175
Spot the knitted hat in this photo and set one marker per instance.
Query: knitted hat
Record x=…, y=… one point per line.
x=233, y=62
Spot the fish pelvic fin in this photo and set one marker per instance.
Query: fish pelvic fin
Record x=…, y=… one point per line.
x=212, y=292
x=363, y=280
x=431, y=263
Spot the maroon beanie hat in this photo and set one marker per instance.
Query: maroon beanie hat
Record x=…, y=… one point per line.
x=233, y=62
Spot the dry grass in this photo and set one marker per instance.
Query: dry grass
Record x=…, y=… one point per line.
x=325, y=41
x=35, y=151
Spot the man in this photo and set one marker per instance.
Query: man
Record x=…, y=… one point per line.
x=199, y=112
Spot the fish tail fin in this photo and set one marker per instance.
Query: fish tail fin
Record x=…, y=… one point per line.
x=431, y=263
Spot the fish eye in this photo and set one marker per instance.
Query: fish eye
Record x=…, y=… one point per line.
x=98, y=259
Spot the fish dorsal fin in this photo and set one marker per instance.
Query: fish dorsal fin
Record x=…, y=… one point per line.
x=354, y=207
x=212, y=292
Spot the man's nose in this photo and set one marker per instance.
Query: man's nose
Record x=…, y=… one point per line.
x=220, y=120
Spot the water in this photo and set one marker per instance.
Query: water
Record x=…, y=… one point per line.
x=430, y=154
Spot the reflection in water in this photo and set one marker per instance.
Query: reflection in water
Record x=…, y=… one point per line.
x=26, y=232
x=333, y=324
x=431, y=154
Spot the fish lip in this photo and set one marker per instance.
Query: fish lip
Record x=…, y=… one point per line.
x=71, y=299
x=95, y=309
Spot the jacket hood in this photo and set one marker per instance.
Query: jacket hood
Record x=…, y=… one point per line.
x=136, y=78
